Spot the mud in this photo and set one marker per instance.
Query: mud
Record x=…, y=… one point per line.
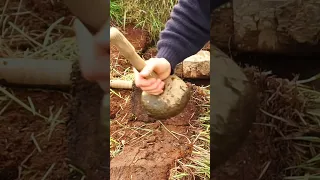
x=153, y=155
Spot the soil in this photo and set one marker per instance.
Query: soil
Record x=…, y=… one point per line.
x=17, y=126
x=262, y=156
x=150, y=53
x=116, y=102
x=153, y=155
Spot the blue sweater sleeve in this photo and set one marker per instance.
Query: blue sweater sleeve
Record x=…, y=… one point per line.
x=187, y=30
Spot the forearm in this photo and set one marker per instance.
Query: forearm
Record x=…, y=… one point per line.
x=186, y=32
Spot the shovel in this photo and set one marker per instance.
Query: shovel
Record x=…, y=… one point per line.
x=176, y=93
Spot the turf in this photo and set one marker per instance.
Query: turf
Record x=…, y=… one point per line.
x=149, y=15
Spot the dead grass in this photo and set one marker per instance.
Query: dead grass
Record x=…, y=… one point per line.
x=29, y=35
x=198, y=164
x=21, y=39
x=290, y=117
x=52, y=120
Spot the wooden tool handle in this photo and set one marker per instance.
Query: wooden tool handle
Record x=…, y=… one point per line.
x=121, y=84
x=127, y=50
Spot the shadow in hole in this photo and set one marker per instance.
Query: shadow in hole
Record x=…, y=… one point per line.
x=9, y=173
x=283, y=66
x=198, y=82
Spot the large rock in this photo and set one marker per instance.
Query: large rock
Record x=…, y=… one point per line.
x=233, y=108
x=269, y=26
x=195, y=67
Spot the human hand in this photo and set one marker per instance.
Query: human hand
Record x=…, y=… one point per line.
x=153, y=86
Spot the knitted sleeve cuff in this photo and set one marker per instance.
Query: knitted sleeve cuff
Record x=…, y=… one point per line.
x=170, y=55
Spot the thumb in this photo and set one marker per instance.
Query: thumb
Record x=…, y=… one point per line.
x=146, y=71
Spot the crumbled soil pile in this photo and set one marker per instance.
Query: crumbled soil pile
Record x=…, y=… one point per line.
x=16, y=128
x=265, y=154
x=153, y=154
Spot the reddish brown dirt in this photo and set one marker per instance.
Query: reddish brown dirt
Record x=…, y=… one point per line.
x=150, y=53
x=16, y=127
x=153, y=155
x=138, y=38
x=116, y=102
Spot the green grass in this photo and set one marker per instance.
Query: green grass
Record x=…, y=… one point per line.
x=291, y=118
x=150, y=15
x=309, y=168
x=116, y=11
